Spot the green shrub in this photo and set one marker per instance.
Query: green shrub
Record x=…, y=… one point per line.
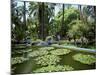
x=85, y=59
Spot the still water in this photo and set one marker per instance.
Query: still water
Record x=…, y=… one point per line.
x=30, y=65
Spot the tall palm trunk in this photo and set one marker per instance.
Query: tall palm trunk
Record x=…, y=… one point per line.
x=24, y=26
x=24, y=13
x=81, y=14
x=62, y=27
x=41, y=21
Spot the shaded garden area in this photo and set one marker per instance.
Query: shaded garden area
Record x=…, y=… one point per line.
x=52, y=37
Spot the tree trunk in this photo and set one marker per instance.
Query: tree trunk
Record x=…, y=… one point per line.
x=81, y=14
x=62, y=27
x=41, y=21
x=24, y=13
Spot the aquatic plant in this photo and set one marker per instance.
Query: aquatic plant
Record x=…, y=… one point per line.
x=85, y=59
x=18, y=60
x=60, y=51
x=37, y=53
x=22, y=51
x=19, y=46
x=46, y=48
x=47, y=60
x=54, y=68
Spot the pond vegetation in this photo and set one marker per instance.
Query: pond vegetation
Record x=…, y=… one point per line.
x=54, y=68
x=37, y=53
x=52, y=37
x=60, y=51
x=85, y=59
x=48, y=60
x=17, y=60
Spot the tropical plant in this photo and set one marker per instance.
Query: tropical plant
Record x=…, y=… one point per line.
x=77, y=29
x=17, y=24
x=70, y=15
x=37, y=10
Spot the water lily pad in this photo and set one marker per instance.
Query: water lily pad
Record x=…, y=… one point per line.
x=47, y=48
x=37, y=53
x=18, y=60
x=85, y=59
x=54, y=68
x=60, y=51
x=47, y=60
x=22, y=51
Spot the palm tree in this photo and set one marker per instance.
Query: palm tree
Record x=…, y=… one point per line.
x=42, y=12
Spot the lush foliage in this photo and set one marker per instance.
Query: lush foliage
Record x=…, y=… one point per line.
x=43, y=20
x=39, y=23
x=85, y=59
x=47, y=60
x=60, y=51
x=54, y=68
x=70, y=15
x=77, y=28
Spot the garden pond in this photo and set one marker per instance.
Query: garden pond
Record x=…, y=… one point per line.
x=33, y=59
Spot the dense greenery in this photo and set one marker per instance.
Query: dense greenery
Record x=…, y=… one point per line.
x=85, y=59
x=35, y=24
x=54, y=68
x=71, y=22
